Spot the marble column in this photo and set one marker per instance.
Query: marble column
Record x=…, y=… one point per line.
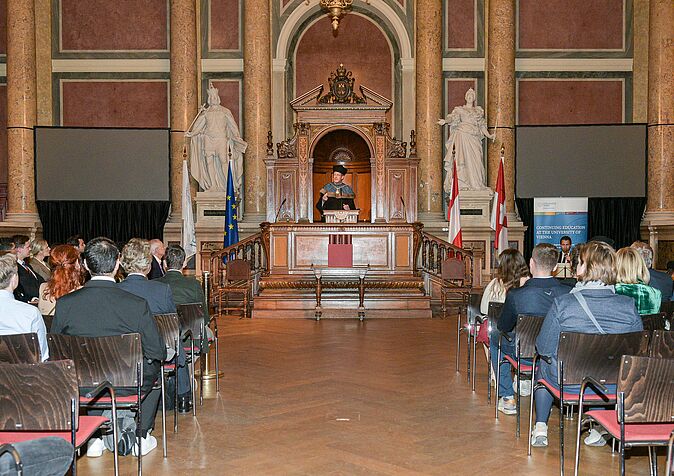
x=257, y=77
x=661, y=108
x=501, y=93
x=429, y=107
x=21, y=107
x=184, y=90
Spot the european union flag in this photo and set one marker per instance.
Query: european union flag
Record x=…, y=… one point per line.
x=231, y=234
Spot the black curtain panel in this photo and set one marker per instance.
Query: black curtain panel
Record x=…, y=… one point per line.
x=118, y=220
x=525, y=208
x=618, y=218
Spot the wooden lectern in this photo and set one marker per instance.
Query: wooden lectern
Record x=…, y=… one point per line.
x=341, y=216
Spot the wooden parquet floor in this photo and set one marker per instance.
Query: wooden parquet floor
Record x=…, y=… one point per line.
x=343, y=398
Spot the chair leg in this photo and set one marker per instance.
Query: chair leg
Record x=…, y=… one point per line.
x=579, y=430
x=653, y=461
x=458, y=339
x=217, y=364
x=163, y=411
x=531, y=413
x=474, y=337
x=202, y=368
x=561, y=435
x=114, y=437
x=498, y=378
x=175, y=398
x=194, y=382
x=488, y=377
x=468, y=350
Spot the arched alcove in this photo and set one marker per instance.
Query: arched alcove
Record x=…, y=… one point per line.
x=347, y=148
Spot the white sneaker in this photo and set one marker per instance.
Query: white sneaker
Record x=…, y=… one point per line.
x=539, y=437
x=525, y=388
x=95, y=447
x=507, y=405
x=595, y=438
x=147, y=444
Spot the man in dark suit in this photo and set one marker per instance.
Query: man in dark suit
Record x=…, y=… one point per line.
x=533, y=298
x=659, y=280
x=28, y=289
x=157, y=249
x=101, y=308
x=136, y=259
x=185, y=290
x=565, y=249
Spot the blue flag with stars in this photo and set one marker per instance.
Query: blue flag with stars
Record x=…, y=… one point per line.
x=231, y=235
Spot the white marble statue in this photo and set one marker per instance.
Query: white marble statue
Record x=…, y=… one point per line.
x=213, y=135
x=467, y=126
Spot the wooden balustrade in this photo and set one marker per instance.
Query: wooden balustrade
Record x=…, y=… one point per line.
x=251, y=249
x=435, y=250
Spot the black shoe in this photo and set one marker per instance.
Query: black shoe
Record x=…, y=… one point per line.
x=184, y=405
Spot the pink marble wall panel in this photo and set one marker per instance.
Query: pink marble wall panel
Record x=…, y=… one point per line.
x=3, y=27
x=571, y=24
x=114, y=103
x=102, y=25
x=230, y=97
x=3, y=133
x=455, y=92
x=460, y=27
x=224, y=25
x=570, y=102
x=359, y=45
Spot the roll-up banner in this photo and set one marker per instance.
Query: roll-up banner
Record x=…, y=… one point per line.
x=558, y=217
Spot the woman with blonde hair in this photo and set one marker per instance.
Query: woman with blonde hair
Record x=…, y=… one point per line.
x=39, y=251
x=632, y=280
x=66, y=277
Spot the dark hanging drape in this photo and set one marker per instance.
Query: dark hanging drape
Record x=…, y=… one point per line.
x=118, y=220
x=618, y=218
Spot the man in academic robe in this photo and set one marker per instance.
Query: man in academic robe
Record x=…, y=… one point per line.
x=336, y=195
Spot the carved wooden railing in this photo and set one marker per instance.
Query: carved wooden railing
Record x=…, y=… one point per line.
x=433, y=251
x=252, y=249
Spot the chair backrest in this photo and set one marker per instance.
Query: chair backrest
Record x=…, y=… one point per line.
x=20, y=349
x=47, y=321
x=528, y=328
x=474, y=300
x=192, y=318
x=169, y=328
x=453, y=269
x=97, y=359
x=494, y=310
x=598, y=355
x=668, y=308
x=38, y=397
x=654, y=322
x=662, y=344
x=648, y=384
x=238, y=270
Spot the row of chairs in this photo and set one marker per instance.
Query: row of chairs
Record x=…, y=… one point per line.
x=594, y=361
x=100, y=366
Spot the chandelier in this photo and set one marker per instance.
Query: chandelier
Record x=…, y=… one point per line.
x=336, y=9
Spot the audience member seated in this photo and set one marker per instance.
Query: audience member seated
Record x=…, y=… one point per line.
x=29, y=282
x=17, y=317
x=157, y=249
x=101, y=308
x=77, y=242
x=49, y=456
x=659, y=280
x=533, y=298
x=136, y=260
x=6, y=245
x=511, y=272
x=186, y=290
x=607, y=313
x=632, y=280
x=39, y=252
x=66, y=277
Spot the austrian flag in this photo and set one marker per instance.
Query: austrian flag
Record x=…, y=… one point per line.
x=499, y=220
x=454, y=213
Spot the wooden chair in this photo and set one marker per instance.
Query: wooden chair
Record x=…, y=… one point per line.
x=655, y=322
x=117, y=360
x=644, y=415
x=526, y=332
x=455, y=290
x=237, y=281
x=493, y=315
x=662, y=345
x=169, y=329
x=40, y=400
x=192, y=322
x=582, y=360
x=20, y=349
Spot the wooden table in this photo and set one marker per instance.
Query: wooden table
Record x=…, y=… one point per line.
x=341, y=276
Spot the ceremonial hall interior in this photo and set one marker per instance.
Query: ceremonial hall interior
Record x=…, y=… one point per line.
x=358, y=197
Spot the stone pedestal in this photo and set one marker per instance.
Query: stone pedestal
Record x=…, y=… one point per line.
x=209, y=219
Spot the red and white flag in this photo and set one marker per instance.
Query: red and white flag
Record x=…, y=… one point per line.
x=454, y=213
x=499, y=220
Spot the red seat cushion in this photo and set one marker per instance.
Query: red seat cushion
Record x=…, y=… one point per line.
x=523, y=367
x=87, y=426
x=575, y=397
x=126, y=399
x=634, y=432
